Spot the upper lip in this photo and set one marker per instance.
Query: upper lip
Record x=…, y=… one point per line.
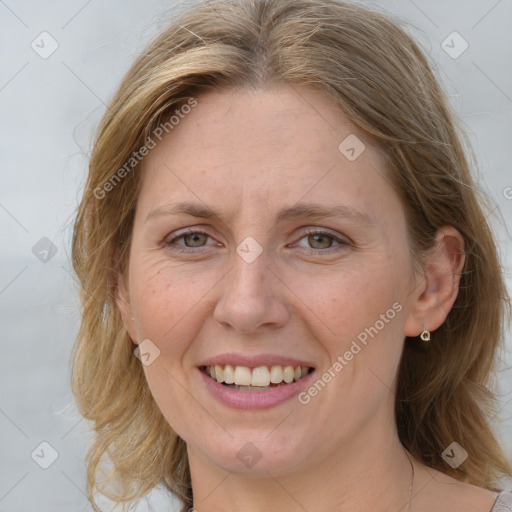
x=253, y=361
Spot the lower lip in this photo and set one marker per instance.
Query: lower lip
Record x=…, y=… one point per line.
x=255, y=399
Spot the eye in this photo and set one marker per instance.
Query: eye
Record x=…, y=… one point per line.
x=319, y=241
x=323, y=241
x=193, y=238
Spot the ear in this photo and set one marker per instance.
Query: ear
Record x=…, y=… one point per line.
x=125, y=308
x=438, y=287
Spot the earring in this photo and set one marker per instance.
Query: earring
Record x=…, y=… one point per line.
x=425, y=335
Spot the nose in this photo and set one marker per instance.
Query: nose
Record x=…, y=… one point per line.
x=253, y=297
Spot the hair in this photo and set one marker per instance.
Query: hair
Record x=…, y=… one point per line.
x=381, y=80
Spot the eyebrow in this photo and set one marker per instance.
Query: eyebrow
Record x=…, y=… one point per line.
x=300, y=211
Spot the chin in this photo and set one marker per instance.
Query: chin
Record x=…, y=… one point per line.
x=255, y=452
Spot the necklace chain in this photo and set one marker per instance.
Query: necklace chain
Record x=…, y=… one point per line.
x=412, y=480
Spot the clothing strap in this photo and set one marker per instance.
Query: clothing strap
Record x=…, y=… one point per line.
x=503, y=502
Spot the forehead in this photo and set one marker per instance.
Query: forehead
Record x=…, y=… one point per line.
x=281, y=117
x=270, y=147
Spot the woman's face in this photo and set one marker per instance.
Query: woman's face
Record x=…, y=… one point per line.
x=304, y=260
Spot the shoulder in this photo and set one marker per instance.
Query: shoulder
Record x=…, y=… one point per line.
x=503, y=502
x=438, y=491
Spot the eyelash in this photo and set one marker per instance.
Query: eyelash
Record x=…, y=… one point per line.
x=168, y=242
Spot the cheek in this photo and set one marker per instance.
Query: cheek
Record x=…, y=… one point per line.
x=358, y=314
x=169, y=389
x=169, y=302
x=350, y=298
x=159, y=299
x=375, y=319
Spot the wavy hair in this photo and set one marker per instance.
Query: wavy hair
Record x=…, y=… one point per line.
x=375, y=72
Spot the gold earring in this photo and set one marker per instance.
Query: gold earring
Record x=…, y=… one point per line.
x=425, y=335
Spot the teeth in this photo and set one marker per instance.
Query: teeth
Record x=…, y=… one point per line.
x=276, y=374
x=260, y=376
x=229, y=374
x=243, y=376
x=288, y=374
x=219, y=373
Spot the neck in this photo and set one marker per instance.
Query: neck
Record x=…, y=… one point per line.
x=371, y=473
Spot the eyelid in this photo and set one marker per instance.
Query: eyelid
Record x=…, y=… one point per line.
x=341, y=240
x=183, y=233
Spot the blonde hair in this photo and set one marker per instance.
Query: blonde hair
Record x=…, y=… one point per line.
x=383, y=83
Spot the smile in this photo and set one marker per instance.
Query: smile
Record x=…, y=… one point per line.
x=261, y=378
x=254, y=388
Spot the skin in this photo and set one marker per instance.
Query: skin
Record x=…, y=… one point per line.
x=246, y=154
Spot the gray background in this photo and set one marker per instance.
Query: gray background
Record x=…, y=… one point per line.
x=49, y=110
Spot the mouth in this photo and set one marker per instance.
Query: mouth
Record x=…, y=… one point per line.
x=260, y=378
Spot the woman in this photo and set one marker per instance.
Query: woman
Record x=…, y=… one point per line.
x=280, y=219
